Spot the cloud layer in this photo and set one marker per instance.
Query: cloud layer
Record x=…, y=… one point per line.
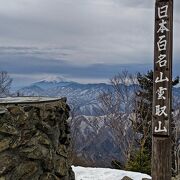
x=78, y=34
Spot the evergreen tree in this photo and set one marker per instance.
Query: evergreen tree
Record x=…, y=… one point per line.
x=144, y=108
x=142, y=157
x=140, y=162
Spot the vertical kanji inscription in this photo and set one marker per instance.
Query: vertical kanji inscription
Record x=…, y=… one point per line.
x=162, y=68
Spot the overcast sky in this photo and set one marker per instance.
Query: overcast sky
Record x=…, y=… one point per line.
x=83, y=40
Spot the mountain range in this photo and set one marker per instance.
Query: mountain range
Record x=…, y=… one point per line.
x=81, y=96
x=94, y=142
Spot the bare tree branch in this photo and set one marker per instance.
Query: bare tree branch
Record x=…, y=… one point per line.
x=5, y=84
x=117, y=104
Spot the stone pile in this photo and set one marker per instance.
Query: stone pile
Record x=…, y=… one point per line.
x=34, y=141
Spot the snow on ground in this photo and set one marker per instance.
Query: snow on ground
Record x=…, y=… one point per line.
x=82, y=173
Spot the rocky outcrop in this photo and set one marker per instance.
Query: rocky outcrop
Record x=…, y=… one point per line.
x=34, y=141
x=126, y=178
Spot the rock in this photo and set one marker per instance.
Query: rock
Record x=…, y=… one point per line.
x=34, y=142
x=8, y=129
x=4, y=144
x=44, y=127
x=39, y=138
x=176, y=178
x=62, y=150
x=28, y=108
x=7, y=162
x=34, y=152
x=145, y=179
x=64, y=99
x=126, y=178
x=3, y=110
x=25, y=170
x=61, y=167
x=71, y=174
x=15, y=110
x=49, y=176
x=23, y=138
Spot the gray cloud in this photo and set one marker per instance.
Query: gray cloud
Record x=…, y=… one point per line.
x=27, y=69
x=56, y=36
x=97, y=28
x=138, y=3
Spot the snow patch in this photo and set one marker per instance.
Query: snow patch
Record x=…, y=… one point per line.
x=82, y=173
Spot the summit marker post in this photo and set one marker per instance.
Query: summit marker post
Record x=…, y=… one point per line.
x=162, y=90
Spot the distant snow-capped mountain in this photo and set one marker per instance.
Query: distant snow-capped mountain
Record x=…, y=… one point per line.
x=55, y=79
x=51, y=82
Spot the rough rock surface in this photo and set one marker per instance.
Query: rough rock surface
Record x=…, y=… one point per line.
x=176, y=178
x=34, y=141
x=126, y=178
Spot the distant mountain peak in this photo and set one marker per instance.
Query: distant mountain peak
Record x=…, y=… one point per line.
x=54, y=79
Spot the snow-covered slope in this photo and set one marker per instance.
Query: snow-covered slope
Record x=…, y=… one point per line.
x=94, y=142
x=82, y=173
